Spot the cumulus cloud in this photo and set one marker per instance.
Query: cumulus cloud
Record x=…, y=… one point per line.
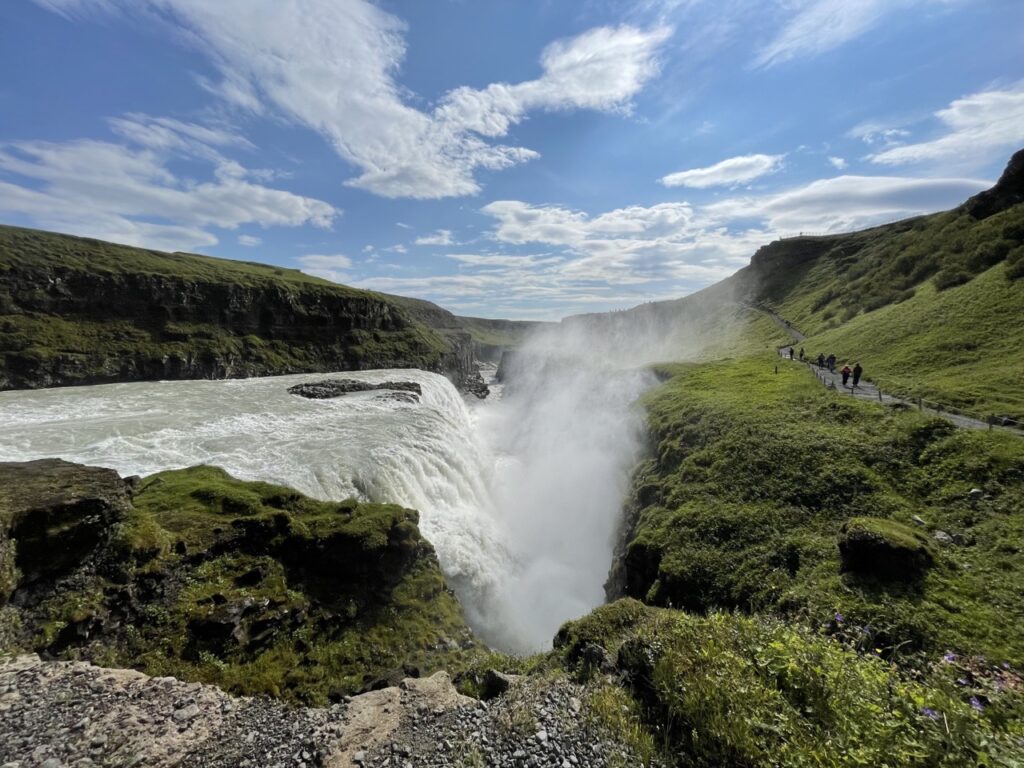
x=978, y=127
x=735, y=170
x=330, y=65
x=440, y=237
x=129, y=194
x=817, y=26
x=838, y=163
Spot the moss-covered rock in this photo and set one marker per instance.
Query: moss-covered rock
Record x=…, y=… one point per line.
x=247, y=585
x=883, y=549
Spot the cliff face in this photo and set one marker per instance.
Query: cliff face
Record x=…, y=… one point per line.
x=76, y=311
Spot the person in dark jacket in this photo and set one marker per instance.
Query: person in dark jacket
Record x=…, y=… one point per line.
x=821, y=360
x=831, y=363
x=857, y=371
x=791, y=353
x=846, y=374
x=801, y=354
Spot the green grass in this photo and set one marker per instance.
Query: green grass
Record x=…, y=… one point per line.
x=754, y=474
x=725, y=689
x=331, y=597
x=32, y=249
x=961, y=347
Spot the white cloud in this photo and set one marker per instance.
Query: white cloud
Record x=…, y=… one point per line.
x=838, y=163
x=872, y=133
x=440, y=237
x=818, y=26
x=978, y=128
x=129, y=194
x=328, y=266
x=330, y=65
x=845, y=203
x=399, y=248
x=249, y=241
x=735, y=170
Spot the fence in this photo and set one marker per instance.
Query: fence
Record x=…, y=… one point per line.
x=980, y=420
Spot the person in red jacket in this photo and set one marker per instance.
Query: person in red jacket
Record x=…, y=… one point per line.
x=846, y=374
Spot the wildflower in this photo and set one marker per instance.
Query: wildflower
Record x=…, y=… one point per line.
x=839, y=618
x=930, y=713
x=949, y=657
x=976, y=705
x=962, y=681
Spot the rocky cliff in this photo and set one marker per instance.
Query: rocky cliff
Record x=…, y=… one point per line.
x=79, y=311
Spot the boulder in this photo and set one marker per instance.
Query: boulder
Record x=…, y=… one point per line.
x=53, y=515
x=883, y=549
x=323, y=390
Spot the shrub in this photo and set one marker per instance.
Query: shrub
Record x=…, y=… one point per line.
x=950, y=277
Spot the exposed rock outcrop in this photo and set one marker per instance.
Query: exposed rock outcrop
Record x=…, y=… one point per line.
x=1007, y=192
x=330, y=388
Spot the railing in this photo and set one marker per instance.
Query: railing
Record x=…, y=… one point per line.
x=981, y=420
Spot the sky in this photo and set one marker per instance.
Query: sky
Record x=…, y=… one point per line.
x=525, y=159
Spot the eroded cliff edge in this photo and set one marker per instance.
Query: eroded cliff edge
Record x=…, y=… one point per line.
x=81, y=311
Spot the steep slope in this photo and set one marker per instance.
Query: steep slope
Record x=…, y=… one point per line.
x=80, y=311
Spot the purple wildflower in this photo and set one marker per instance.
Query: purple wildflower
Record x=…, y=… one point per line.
x=949, y=657
x=977, y=705
x=930, y=713
x=962, y=681
x=839, y=618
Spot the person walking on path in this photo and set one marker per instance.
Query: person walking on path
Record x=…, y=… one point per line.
x=846, y=374
x=801, y=354
x=857, y=371
x=791, y=353
x=831, y=363
x=821, y=359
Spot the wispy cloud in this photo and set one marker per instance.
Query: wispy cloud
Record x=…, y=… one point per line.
x=818, y=26
x=735, y=170
x=328, y=266
x=330, y=65
x=838, y=163
x=977, y=128
x=129, y=194
x=440, y=237
x=249, y=241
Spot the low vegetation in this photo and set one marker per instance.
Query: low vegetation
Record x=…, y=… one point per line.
x=258, y=589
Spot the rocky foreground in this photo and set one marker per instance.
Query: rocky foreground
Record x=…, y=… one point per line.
x=55, y=714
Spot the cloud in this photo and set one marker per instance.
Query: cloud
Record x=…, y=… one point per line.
x=845, y=203
x=441, y=237
x=249, y=241
x=818, y=26
x=330, y=65
x=130, y=195
x=838, y=163
x=328, y=266
x=875, y=133
x=735, y=170
x=978, y=128
x=399, y=248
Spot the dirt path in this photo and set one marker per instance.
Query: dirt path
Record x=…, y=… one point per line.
x=868, y=391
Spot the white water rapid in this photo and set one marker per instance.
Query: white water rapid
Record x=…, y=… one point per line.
x=520, y=495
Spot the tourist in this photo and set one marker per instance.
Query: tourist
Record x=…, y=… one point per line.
x=857, y=371
x=791, y=353
x=846, y=374
x=821, y=360
x=831, y=363
x=801, y=354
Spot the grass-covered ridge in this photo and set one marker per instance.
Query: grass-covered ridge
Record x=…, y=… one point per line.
x=77, y=311
x=754, y=474
x=258, y=589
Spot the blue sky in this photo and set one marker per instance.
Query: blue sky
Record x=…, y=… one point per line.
x=504, y=158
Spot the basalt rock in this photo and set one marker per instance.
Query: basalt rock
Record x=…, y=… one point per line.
x=329, y=388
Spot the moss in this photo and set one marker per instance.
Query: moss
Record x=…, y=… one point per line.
x=880, y=548
x=261, y=590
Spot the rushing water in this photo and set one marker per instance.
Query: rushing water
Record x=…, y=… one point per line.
x=519, y=495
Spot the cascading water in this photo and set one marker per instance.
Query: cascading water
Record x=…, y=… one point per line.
x=520, y=496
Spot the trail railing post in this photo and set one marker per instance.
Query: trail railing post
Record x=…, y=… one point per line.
x=879, y=394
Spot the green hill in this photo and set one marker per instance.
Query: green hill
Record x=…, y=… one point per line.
x=81, y=311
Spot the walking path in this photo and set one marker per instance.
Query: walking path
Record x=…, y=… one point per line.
x=868, y=391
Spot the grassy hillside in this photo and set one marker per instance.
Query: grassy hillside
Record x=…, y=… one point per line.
x=75, y=310
x=33, y=249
